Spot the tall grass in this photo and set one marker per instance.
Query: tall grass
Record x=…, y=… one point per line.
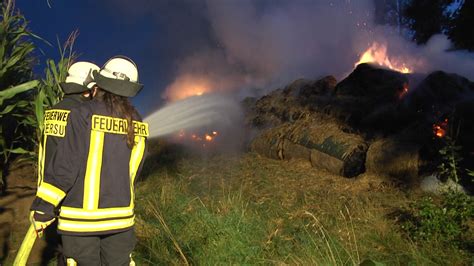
x=250, y=210
x=212, y=220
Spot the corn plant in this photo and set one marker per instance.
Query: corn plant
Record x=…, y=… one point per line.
x=49, y=92
x=16, y=84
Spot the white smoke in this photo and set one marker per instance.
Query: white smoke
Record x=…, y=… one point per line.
x=270, y=45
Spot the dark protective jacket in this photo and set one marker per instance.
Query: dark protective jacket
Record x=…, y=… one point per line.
x=54, y=129
x=91, y=175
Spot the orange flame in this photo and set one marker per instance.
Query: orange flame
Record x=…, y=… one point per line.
x=377, y=53
x=187, y=86
x=198, y=138
x=404, y=90
x=440, y=129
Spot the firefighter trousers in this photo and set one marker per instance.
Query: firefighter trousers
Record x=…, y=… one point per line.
x=113, y=249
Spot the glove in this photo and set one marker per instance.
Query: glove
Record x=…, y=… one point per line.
x=40, y=221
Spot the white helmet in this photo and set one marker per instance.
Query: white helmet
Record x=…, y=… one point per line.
x=78, y=76
x=119, y=75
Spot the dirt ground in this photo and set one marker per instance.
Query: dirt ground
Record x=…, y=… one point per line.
x=14, y=210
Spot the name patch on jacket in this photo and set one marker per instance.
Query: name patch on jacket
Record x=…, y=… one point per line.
x=55, y=122
x=117, y=125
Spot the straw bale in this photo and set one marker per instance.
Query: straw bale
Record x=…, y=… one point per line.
x=325, y=161
x=373, y=82
x=324, y=144
x=268, y=144
x=292, y=150
x=394, y=158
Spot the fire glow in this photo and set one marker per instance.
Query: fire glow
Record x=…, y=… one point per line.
x=187, y=86
x=440, y=129
x=198, y=138
x=377, y=53
x=404, y=90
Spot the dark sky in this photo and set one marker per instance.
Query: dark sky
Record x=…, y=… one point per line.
x=146, y=31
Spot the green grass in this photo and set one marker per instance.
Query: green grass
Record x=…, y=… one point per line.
x=251, y=210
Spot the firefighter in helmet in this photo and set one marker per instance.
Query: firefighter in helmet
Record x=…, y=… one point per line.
x=92, y=172
x=54, y=124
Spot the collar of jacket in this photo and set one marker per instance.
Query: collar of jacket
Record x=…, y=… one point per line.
x=76, y=97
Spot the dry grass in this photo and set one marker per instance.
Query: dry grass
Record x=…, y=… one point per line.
x=250, y=210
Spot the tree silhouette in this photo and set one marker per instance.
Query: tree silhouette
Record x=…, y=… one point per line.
x=426, y=18
x=461, y=30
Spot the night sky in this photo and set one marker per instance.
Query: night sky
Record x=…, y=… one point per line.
x=107, y=28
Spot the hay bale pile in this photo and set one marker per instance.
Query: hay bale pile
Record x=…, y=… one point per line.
x=370, y=121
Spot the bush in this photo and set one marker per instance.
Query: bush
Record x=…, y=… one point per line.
x=444, y=221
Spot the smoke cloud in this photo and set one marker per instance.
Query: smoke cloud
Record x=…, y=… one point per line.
x=266, y=44
x=221, y=46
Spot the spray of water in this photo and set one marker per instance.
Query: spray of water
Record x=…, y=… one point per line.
x=193, y=112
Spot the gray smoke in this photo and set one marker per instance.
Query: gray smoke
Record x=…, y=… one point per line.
x=228, y=45
x=269, y=43
x=266, y=44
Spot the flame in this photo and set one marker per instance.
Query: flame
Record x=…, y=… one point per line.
x=404, y=90
x=377, y=53
x=210, y=137
x=207, y=137
x=187, y=86
x=440, y=129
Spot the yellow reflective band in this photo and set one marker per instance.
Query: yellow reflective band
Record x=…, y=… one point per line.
x=135, y=159
x=71, y=262
x=94, y=165
x=77, y=213
x=90, y=226
x=117, y=125
x=41, y=158
x=55, y=122
x=50, y=193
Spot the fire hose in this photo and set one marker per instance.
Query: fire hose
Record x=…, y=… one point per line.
x=26, y=247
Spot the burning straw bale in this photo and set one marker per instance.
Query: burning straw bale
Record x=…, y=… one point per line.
x=328, y=124
x=378, y=84
x=306, y=90
x=439, y=92
x=291, y=103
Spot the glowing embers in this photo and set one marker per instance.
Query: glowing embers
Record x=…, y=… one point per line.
x=377, y=54
x=404, y=90
x=201, y=138
x=440, y=129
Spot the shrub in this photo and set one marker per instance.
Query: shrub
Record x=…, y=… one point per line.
x=444, y=221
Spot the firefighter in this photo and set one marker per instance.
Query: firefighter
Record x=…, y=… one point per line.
x=92, y=172
x=55, y=121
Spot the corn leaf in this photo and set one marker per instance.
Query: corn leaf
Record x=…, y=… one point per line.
x=11, y=92
x=18, y=150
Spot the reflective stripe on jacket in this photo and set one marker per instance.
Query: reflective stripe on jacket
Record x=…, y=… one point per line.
x=54, y=129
